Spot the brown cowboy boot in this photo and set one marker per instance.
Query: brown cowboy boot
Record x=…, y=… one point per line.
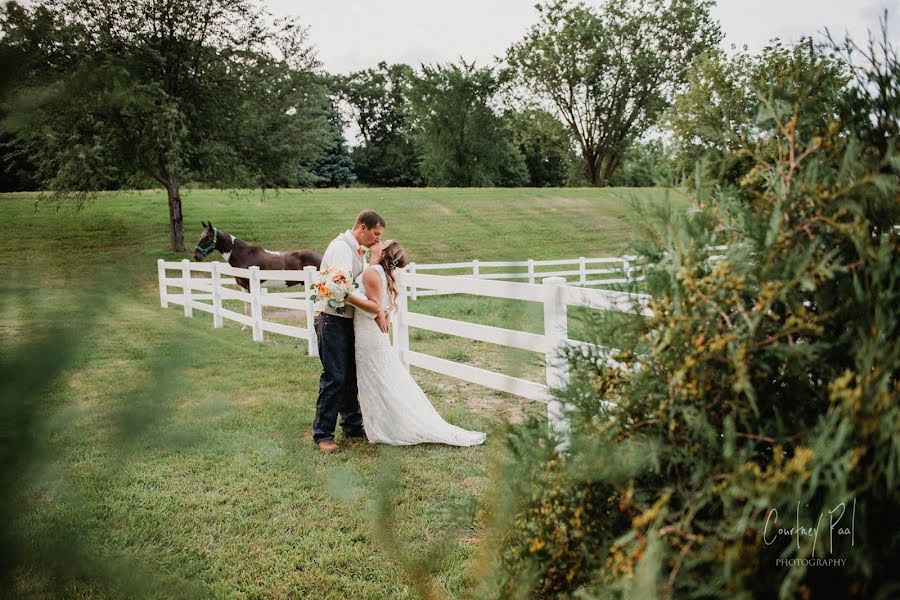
x=328, y=446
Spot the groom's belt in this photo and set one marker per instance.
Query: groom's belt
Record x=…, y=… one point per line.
x=348, y=312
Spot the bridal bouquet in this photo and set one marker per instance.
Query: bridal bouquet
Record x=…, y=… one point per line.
x=334, y=285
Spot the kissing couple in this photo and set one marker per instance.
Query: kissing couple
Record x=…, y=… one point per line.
x=363, y=379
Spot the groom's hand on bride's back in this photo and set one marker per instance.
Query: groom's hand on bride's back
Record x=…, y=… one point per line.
x=382, y=321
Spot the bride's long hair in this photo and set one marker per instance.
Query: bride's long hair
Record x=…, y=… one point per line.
x=393, y=257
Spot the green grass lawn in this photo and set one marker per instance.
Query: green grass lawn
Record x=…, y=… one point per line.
x=176, y=460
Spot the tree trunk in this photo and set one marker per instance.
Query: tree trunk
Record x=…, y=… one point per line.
x=611, y=165
x=592, y=169
x=175, y=218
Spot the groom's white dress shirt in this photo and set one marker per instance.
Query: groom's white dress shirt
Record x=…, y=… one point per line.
x=343, y=252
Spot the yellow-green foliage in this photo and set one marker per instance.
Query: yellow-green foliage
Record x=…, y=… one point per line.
x=768, y=381
x=561, y=530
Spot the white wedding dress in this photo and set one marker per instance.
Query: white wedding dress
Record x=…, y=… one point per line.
x=395, y=410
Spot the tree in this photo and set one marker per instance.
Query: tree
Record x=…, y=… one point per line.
x=182, y=91
x=609, y=72
x=335, y=167
x=16, y=173
x=388, y=161
x=461, y=140
x=545, y=144
x=379, y=106
x=728, y=101
x=646, y=163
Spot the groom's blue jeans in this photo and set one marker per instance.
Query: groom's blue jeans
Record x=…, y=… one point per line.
x=337, y=385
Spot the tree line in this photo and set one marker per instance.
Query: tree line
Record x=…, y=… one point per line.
x=98, y=94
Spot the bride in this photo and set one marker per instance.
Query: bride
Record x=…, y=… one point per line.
x=395, y=409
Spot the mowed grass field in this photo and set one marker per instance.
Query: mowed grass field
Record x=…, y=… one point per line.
x=175, y=460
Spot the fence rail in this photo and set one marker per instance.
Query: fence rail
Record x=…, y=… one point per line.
x=622, y=270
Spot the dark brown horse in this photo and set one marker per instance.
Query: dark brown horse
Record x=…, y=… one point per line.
x=242, y=255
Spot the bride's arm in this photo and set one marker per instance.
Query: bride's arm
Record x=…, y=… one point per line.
x=372, y=283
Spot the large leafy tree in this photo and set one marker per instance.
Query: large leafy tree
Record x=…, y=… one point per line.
x=544, y=142
x=727, y=103
x=179, y=90
x=379, y=107
x=609, y=72
x=462, y=141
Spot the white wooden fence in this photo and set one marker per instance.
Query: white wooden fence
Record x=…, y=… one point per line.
x=203, y=287
x=582, y=271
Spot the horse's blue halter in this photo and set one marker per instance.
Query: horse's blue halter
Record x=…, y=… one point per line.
x=206, y=250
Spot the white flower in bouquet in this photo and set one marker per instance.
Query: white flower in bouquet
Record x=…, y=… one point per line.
x=333, y=284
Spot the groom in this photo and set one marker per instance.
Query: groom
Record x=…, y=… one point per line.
x=337, y=385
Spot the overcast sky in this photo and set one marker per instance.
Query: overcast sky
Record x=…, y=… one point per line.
x=357, y=34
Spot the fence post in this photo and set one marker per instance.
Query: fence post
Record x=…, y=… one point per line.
x=556, y=336
x=255, y=306
x=582, y=268
x=626, y=266
x=186, y=283
x=411, y=268
x=161, y=268
x=530, y=270
x=312, y=342
x=217, y=295
x=401, y=329
x=476, y=269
